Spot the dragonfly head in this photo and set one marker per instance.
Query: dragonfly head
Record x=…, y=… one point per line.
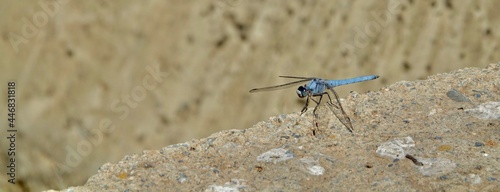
x=301, y=92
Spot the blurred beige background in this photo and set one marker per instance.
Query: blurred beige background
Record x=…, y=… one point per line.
x=164, y=72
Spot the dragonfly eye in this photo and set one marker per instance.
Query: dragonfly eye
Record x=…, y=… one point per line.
x=301, y=92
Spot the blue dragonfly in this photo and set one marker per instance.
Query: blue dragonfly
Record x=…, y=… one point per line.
x=317, y=88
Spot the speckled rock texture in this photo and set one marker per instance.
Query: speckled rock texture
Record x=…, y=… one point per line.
x=438, y=134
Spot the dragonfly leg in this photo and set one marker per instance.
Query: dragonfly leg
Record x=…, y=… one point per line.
x=305, y=107
x=317, y=104
x=330, y=100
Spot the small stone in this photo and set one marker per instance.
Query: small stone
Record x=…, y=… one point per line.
x=275, y=155
x=444, y=148
x=479, y=144
x=474, y=179
x=457, y=96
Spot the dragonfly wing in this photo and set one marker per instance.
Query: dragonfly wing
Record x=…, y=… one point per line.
x=276, y=87
x=295, y=77
x=337, y=109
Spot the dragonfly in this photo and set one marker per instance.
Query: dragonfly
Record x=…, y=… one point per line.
x=317, y=87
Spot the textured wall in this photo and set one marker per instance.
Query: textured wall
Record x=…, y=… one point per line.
x=79, y=64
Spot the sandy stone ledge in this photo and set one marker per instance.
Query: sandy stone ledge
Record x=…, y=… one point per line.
x=448, y=124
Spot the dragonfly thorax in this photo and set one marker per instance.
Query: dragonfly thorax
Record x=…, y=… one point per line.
x=302, y=92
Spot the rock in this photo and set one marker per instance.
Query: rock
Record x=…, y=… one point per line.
x=283, y=154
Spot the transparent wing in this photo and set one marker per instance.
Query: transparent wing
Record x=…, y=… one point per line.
x=295, y=77
x=282, y=86
x=338, y=110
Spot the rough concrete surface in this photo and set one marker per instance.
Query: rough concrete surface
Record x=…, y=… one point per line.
x=80, y=63
x=449, y=124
